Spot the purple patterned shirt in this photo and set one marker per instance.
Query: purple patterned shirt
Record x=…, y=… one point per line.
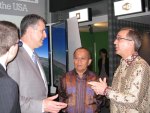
x=79, y=96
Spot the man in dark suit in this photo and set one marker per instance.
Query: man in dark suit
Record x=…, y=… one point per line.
x=9, y=95
x=27, y=71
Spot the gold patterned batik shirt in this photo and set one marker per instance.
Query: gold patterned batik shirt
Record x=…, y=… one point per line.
x=130, y=91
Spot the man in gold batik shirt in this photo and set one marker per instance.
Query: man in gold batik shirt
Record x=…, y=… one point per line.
x=130, y=90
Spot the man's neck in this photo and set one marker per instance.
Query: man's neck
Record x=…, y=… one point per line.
x=128, y=55
x=81, y=73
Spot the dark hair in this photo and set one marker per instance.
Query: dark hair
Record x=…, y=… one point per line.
x=89, y=55
x=103, y=50
x=30, y=20
x=135, y=36
x=8, y=36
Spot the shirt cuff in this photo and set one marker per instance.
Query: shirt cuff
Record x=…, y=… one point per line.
x=107, y=91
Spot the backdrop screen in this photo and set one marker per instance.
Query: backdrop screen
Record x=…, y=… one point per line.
x=59, y=50
x=43, y=53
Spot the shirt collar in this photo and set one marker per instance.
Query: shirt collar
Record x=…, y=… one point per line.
x=3, y=63
x=131, y=58
x=28, y=49
x=84, y=74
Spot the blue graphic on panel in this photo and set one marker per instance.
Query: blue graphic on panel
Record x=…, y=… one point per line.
x=59, y=47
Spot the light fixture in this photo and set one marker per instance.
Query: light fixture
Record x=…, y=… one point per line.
x=101, y=24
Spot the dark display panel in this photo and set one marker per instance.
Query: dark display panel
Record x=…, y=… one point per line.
x=58, y=5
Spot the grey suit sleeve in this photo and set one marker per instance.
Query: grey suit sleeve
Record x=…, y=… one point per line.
x=27, y=104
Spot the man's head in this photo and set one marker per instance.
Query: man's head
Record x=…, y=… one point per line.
x=33, y=30
x=82, y=59
x=127, y=42
x=9, y=37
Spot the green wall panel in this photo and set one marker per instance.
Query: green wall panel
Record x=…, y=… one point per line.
x=94, y=42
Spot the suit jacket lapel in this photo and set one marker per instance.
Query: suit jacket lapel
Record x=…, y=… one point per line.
x=41, y=67
x=27, y=57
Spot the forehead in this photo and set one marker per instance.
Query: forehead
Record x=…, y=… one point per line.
x=122, y=33
x=81, y=52
x=41, y=24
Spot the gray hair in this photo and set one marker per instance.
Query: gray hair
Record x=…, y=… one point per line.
x=135, y=36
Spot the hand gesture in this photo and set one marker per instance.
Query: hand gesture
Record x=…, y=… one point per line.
x=99, y=87
x=53, y=106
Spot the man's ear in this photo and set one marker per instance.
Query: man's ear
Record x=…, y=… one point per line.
x=9, y=53
x=90, y=60
x=29, y=31
x=131, y=43
x=11, y=50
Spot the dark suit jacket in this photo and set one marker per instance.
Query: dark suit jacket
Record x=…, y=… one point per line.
x=9, y=95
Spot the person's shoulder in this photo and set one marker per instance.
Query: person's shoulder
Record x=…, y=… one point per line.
x=141, y=62
x=69, y=73
x=92, y=76
x=19, y=54
x=9, y=82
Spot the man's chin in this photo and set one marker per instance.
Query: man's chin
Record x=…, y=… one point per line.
x=116, y=52
x=40, y=45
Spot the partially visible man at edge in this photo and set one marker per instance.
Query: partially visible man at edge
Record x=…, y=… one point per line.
x=9, y=92
x=27, y=71
x=130, y=90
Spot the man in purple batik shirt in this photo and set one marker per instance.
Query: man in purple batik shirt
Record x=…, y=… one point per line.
x=73, y=88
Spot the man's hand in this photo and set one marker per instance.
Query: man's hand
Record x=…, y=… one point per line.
x=99, y=87
x=53, y=106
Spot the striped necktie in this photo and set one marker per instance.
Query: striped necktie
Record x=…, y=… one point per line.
x=34, y=58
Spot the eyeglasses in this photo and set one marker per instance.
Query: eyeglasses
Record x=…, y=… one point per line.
x=119, y=38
